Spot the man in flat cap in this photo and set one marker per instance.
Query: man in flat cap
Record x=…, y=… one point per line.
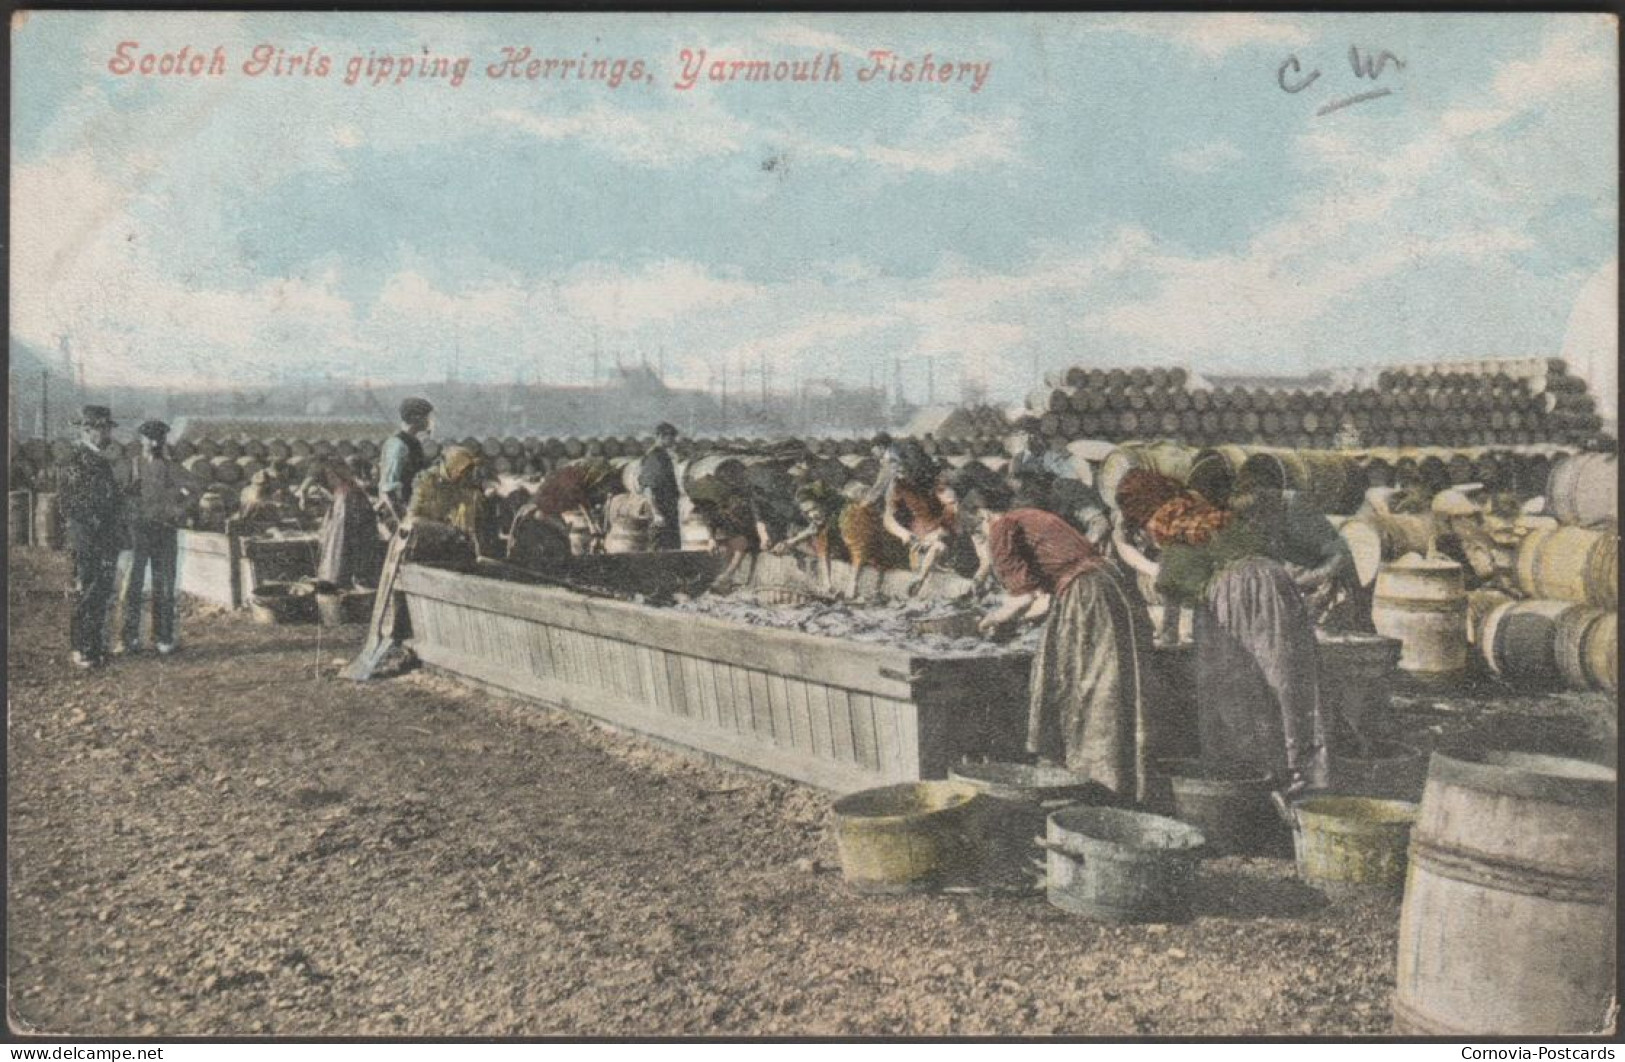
x=400, y=462
x=401, y=458
x=157, y=492
x=657, y=480
x=90, y=502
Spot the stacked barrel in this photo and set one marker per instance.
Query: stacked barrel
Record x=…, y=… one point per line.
x=1481, y=407
x=1560, y=629
x=1522, y=403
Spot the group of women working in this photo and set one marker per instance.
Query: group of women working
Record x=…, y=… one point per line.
x=1245, y=560
x=1245, y=557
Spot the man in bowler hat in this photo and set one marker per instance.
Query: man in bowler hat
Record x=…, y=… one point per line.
x=89, y=497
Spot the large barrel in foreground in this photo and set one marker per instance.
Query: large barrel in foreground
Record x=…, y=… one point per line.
x=1507, y=927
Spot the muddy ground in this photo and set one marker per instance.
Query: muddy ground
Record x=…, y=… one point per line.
x=235, y=841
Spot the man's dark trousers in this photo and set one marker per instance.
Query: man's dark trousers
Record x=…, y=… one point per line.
x=95, y=574
x=152, y=545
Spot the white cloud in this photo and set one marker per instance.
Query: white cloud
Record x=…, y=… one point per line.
x=984, y=142
x=800, y=35
x=1575, y=55
x=1212, y=35
x=659, y=293
x=1206, y=158
x=657, y=138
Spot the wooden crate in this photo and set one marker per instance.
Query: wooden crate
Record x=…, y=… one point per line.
x=276, y=560
x=836, y=714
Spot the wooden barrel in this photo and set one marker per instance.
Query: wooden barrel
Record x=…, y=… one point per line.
x=1572, y=645
x=715, y=472
x=1583, y=489
x=1423, y=604
x=20, y=517
x=1374, y=538
x=1169, y=459
x=1518, y=641
x=1508, y=924
x=47, y=521
x=1570, y=564
x=1480, y=603
x=1599, y=653
x=226, y=469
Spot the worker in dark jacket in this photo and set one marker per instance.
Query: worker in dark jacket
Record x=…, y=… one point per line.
x=657, y=479
x=91, y=505
x=401, y=457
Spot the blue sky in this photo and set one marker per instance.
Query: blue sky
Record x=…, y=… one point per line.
x=1123, y=189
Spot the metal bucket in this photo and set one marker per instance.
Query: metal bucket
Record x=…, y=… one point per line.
x=906, y=838
x=1230, y=807
x=1019, y=797
x=1111, y=865
x=1349, y=843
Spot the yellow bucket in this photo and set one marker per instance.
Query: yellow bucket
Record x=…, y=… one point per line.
x=1351, y=843
x=907, y=838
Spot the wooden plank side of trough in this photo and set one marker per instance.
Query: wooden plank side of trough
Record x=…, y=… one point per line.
x=672, y=731
x=857, y=666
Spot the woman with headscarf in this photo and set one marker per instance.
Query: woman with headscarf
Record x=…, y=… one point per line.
x=1257, y=681
x=862, y=522
x=1087, y=696
x=351, y=551
x=446, y=509
x=1140, y=494
x=821, y=507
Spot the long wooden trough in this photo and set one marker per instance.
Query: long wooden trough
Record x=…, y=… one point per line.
x=837, y=714
x=834, y=713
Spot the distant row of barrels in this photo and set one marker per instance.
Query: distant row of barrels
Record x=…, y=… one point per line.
x=42, y=453
x=1319, y=407
x=1581, y=488
x=1527, y=404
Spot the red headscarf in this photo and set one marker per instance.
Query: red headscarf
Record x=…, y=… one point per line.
x=1142, y=492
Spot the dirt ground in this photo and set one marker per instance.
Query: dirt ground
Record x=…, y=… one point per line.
x=235, y=841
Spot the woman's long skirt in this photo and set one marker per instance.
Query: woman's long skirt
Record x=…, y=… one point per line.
x=1089, y=690
x=1257, y=682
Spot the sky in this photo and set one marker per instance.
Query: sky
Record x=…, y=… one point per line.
x=1117, y=190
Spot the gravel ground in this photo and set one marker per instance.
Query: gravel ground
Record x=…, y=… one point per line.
x=234, y=841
